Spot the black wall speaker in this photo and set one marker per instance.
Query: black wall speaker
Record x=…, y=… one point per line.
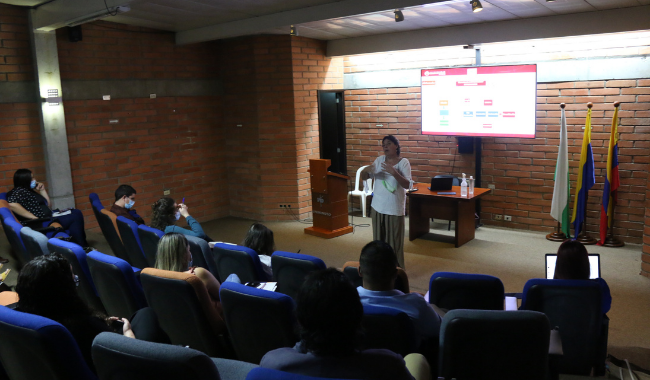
x=74, y=33
x=465, y=145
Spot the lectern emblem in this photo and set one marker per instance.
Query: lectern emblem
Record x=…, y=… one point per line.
x=320, y=200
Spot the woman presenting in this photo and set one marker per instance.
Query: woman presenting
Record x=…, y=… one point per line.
x=392, y=175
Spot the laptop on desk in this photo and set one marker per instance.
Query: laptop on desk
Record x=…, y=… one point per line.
x=441, y=184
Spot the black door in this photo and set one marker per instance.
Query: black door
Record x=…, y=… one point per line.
x=331, y=119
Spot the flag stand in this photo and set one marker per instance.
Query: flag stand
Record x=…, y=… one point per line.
x=558, y=235
x=584, y=237
x=610, y=239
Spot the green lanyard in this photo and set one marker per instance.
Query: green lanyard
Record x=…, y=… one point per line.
x=388, y=188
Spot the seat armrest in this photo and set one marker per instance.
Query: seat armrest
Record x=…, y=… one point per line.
x=31, y=223
x=555, y=343
x=440, y=311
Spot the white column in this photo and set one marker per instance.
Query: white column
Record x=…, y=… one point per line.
x=53, y=132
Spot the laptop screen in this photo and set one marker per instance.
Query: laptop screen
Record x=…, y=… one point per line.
x=594, y=264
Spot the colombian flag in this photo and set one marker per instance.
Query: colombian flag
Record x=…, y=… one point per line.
x=586, y=179
x=612, y=181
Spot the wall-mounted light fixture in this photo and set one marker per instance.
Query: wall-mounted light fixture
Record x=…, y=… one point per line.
x=476, y=6
x=53, y=98
x=293, y=31
x=399, y=16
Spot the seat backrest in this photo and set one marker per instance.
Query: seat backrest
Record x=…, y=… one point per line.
x=243, y=261
x=149, y=238
x=12, y=230
x=119, y=290
x=290, y=270
x=76, y=256
x=272, y=374
x=358, y=177
x=128, y=230
x=112, y=234
x=258, y=320
x=3, y=196
x=93, y=197
x=351, y=270
x=491, y=345
x=575, y=307
x=35, y=242
x=200, y=250
x=34, y=347
x=117, y=357
x=388, y=328
x=450, y=291
x=184, y=309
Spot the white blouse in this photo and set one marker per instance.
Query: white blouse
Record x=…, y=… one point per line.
x=383, y=200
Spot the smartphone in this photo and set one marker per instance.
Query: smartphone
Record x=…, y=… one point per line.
x=117, y=325
x=254, y=284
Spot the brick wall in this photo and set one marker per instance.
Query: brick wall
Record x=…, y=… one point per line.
x=20, y=141
x=521, y=169
x=645, y=256
x=158, y=144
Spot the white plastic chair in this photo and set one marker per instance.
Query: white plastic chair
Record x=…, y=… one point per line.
x=368, y=188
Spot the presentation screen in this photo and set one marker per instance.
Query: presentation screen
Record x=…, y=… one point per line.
x=494, y=101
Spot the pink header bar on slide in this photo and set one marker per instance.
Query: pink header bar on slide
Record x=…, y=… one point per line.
x=479, y=70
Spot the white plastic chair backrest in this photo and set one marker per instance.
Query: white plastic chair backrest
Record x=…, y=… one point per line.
x=368, y=185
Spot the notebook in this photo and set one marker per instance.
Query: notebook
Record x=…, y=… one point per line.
x=594, y=264
x=441, y=184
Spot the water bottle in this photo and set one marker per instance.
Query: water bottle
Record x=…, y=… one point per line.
x=463, y=187
x=471, y=185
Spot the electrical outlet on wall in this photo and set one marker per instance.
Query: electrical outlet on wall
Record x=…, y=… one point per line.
x=167, y=192
x=491, y=186
x=497, y=217
x=507, y=218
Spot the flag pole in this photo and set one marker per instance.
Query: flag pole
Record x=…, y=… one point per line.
x=558, y=235
x=611, y=240
x=584, y=237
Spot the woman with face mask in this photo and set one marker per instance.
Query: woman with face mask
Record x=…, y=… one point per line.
x=29, y=200
x=174, y=255
x=165, y=214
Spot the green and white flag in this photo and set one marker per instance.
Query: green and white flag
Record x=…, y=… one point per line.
x=561, y=190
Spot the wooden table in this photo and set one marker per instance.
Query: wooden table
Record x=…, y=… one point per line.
x=425, y=204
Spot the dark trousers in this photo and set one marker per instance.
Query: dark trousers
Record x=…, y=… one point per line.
x=74, y=222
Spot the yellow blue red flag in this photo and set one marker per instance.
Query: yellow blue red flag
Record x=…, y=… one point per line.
x=612, y=181
x=586, y=179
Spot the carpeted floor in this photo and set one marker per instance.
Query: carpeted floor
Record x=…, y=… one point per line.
x=513, y=256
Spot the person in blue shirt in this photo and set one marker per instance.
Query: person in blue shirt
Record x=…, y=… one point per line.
x=166, y=213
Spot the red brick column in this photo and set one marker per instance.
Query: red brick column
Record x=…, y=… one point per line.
x=645, y=255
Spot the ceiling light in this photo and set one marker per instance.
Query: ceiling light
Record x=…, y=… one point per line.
x=476, y=6
x=550, y=1
x=293, y=31
x=399, y=16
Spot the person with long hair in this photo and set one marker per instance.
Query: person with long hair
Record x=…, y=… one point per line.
x=573, y=264
x=174, y=255
x=392, y=176
x=259, y=238
x=165, y=214
x=329, y=314
x=29, y=200
x=47, y=287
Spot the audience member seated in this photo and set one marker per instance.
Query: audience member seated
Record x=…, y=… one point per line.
x=165, y=214
x=329, y=313
x=260, y=239
x=124, y=201
x=174, y=255
x=573, y=264
x=29, y=200
x=47, y=287
x=378, y=269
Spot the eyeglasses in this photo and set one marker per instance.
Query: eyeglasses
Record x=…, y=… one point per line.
x=76, y=280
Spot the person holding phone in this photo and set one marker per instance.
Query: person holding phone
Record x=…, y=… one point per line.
x=392, y=175
x=29, y=200
x=166, y=212
x=47, y=287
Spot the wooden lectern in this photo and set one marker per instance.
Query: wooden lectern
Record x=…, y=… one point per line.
x=329, y=201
